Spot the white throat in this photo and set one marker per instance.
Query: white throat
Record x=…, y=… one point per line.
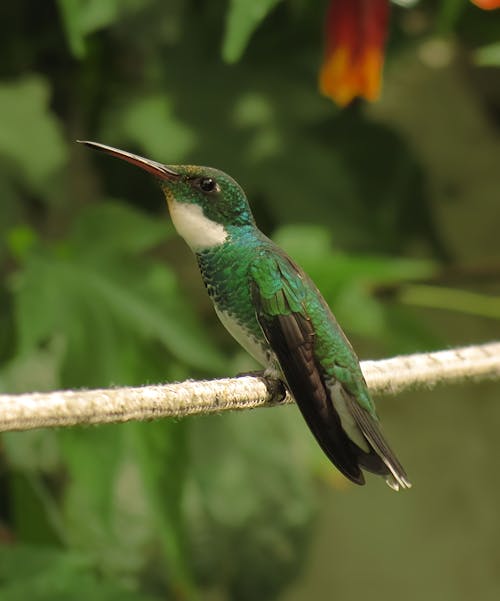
x=192, y=224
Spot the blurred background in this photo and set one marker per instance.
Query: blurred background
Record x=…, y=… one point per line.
x=393, y=208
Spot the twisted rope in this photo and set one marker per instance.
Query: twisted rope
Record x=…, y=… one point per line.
x=389, y=376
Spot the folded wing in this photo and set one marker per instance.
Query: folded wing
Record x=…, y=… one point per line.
x=279, y=294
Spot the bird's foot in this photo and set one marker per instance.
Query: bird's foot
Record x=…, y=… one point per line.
x=275, y=386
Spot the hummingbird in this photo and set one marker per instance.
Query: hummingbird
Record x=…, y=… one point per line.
x=277, y=314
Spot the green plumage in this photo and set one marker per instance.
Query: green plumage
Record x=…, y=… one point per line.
x=275, y=311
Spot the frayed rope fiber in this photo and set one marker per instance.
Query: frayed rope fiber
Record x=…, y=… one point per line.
x=388, y=376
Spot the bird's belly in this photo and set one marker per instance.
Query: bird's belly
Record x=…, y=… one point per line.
x=257, y=348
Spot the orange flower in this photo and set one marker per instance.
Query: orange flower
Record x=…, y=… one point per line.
x=487, y=4
x=356, y=32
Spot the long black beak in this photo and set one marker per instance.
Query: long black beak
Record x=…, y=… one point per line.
x=158, y=169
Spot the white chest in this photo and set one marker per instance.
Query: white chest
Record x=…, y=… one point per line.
x=197, y=230
x=241, y=336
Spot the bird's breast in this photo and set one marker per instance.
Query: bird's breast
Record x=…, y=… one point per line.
x=225, y=273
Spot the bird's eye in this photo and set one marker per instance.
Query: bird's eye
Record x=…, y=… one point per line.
x=208, y=184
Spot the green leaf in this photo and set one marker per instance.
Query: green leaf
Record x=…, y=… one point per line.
x=96, y=313
x=82, y=17
x=30, y=138
x=488, y=56
x=243, y=17
x=250, y=503
x=449, y=299
x=359, y=311
x=89, y=498
x=42, y=573
x=35, y=516
x=112, y=228
x=153, y=308
x=151, y=122
x=11, y=210
x=161, y=452
x=20, y=240
x=103, y=500
x=449, y=14
x=33, y=450
x=35, y=369
x=7, y=334
x=311, y=247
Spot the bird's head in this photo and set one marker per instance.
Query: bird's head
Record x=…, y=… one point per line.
x=205, y=204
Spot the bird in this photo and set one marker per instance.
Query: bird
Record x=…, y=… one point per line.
x=277, y=314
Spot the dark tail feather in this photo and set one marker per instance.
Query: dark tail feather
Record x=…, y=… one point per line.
x=382, y=459
x=327, y=429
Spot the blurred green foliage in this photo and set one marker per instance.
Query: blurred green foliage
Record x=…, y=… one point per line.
x=382, y=206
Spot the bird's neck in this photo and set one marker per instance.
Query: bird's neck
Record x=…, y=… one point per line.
x=202, y=233
x=236, y=251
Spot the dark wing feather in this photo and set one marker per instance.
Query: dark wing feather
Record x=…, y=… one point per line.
x=291, y=336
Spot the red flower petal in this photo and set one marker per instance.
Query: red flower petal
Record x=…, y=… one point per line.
x=356, y=32
x=487, y=4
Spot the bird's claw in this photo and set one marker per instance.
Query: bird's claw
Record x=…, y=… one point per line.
x=276, y=388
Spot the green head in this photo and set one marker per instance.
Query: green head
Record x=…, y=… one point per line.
x=205, y=203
